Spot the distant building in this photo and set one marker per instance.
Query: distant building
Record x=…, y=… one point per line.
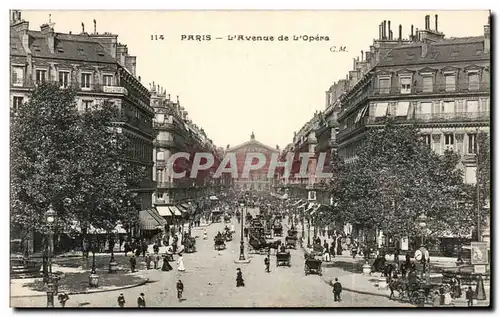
x=257, y=180
x=177, y=198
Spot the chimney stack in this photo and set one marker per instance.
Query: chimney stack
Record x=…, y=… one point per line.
x=48, y=32
x=380, y=31
x=411, y=33
x=417, y=35
x=384, y=32
x=436, y=22
x=362, y=55
x=95, y=26
x=83, y=28
x=390, y=35
x=427, y=22
x=389, y=29
x=487, y=36
x=168, y=97
x=400, y=32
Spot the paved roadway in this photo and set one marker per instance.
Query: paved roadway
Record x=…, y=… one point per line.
x=210, y=281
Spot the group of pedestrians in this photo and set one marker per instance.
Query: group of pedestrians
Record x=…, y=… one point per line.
x=141, y=300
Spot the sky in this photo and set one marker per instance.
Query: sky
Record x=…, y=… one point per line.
x=234, y=88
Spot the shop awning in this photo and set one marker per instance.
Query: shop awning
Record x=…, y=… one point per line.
x=75, y=226
x=175, y=210
x=302, y=206
x=310, y=207
x=184, y=208
x=298, y=202
x=150, y=219
x=164, y=211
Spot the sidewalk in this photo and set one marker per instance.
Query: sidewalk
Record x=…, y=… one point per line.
x=349, y=274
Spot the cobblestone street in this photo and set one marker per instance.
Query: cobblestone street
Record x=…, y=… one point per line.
x=209, y=281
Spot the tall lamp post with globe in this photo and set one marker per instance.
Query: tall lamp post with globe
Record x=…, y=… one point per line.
x=50, y=218
x=244, y=205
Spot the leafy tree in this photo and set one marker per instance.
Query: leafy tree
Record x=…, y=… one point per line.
x=78, y=162
x=396, y=178
x=484, y=167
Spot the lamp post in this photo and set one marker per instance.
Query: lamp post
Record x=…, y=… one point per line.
x=50, y=217
x=112, y=263
x=242, y=243
x=422, y=222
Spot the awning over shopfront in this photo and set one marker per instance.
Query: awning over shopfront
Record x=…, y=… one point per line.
x=164, y=211
x=184, y=207
x=175, y=210
x=75, y=227
x=298, y=202
x=302, y=206
x=150, y=219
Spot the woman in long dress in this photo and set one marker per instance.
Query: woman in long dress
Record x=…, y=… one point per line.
x=166, y=266
x=180, y=263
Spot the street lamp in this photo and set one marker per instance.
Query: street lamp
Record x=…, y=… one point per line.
x=243, y=204
x=422, y=222
x=50, y=218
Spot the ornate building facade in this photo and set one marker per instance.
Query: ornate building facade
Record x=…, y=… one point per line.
x=257, y=180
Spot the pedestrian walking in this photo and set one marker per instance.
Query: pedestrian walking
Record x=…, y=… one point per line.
x=144, y=248
x=156, y=260
x=166, y=265
x=180, y=289
x=126, y=247
x=267, y=262
x=141, y=301
x=469, y=295
x=148, y=261
x=133, y=263
x=332, y=249
x=180, y=263
x=63, y=298
x=156, y=248
x=239, y=278
x=337, y=289
x=205, y=236
x=121, y=300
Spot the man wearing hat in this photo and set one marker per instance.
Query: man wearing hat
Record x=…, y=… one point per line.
x=422, y=256
x=141, y=301
x=121, y=301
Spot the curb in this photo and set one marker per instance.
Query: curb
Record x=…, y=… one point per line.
x=146, y=280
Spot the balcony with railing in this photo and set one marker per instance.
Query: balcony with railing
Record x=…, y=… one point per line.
x=165, y=125
x=418, y=118
x=435, y=89
x=167, y=143
x=92, y=87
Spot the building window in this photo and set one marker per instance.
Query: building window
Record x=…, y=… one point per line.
x=17, y=103
x=471, y=143
x=448, y=139
x=473, y=81
x=427, y=84
x=17, y=76
x=384, y=85
x=86, y=105
x=448, y=107
x=472, y=106
x=426, y=138
x=86, y=78
x=41, y=76
x=450, y=84
x=107, y=80
x=405, y=83
x=64, y=79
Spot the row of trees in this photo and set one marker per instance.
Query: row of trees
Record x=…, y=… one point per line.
x=396, y=178
x=71, y=160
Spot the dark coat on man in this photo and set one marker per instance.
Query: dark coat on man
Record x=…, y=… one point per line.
x=141, y=302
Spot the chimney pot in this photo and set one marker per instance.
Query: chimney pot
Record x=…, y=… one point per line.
x=384, y=35
x=389, y=29
x=380, y=31
x=390, y=35
x=412, y=32
x=400, y=32
x=436, y=22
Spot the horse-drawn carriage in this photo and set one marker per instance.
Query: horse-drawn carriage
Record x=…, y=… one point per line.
x=268, y=234
x=291, y=239
x=189, y=244
x=278, y=229
x=216, y=215
x=219, y=242
x=228, y=235
x=227, y=218
x=283, y=258
x=312, y=266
